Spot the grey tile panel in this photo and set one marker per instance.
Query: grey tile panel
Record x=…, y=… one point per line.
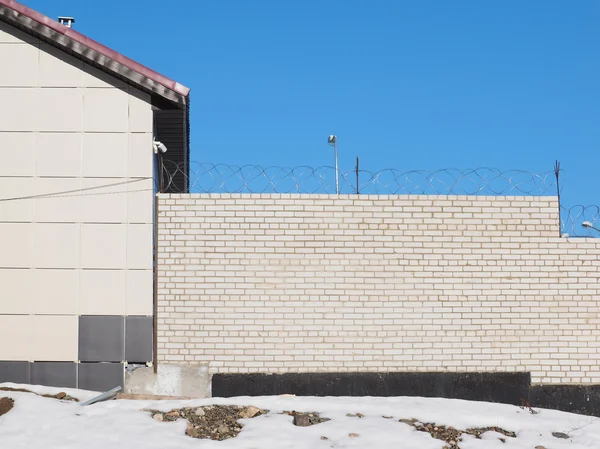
x=138, y=339
x=101, y=338
x=101, y=376
x=15, y=372
x=54, y=374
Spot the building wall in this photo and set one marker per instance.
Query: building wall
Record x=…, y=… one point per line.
x=66, y=127
x=297, y=283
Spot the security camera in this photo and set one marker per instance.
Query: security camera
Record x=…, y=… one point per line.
x=159, y=147
x=332, y=139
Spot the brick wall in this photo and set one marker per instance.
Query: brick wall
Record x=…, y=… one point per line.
x=296, y=283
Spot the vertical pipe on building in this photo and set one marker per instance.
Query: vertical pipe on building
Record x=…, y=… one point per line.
x=160, y=167
x=155, y=289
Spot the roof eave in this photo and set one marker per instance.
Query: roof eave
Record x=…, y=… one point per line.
x=92, y=51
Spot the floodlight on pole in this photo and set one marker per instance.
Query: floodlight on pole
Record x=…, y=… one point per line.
x=332, y=140
x=589, y=225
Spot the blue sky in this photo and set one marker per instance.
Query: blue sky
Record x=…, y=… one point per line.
x=408, y=85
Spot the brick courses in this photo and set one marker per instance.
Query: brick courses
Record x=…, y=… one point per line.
x=324, y=283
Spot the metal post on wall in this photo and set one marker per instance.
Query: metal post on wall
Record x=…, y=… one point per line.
x=357, y=192
x=161, y=173
x=557, y=174
x=333, y=141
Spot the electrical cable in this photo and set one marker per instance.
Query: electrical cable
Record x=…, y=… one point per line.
x=75, y=191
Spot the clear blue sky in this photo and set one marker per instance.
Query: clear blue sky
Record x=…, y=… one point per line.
x=408, y=85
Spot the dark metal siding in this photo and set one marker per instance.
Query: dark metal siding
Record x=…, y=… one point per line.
x=171, y=128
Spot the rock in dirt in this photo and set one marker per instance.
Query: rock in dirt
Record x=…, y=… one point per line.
x=306, y=419
x=410, y=422
x=302, y=421
x=560, y=435
x=6, y=404
x=200, y=412
x=353, y=435
x=540, y=447
x=158, y=417
x=193, y=432
x=249, y=412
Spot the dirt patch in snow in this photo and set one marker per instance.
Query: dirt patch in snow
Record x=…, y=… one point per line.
x=62, y=396
x=6, y=404
x=453, y=436
x=215, y=422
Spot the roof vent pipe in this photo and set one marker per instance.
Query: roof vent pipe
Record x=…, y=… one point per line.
x=66, y=21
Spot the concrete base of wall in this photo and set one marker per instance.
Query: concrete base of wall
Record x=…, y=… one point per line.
x=171, y=380
x=194, y=381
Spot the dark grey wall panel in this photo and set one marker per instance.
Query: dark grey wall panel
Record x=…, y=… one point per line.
x=101, y=338
x=15, y=372
x=138, y=339
x=54, y=374
x=101, y=376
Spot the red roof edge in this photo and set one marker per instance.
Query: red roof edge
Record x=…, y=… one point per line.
x=96, y=46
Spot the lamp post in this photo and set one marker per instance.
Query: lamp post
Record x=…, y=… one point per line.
x=589, y=225
x=333, y=141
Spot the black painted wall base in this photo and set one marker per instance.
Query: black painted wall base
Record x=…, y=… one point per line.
x=582, y=399
x=507, y=388
x=493, y=387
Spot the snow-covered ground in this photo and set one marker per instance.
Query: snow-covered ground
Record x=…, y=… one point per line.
x=37, y=422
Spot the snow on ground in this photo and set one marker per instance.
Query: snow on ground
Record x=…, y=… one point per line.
x=37, y=422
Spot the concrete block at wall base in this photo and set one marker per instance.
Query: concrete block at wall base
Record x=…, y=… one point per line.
x=54, y=374
x=171, y=380
x=15, y=372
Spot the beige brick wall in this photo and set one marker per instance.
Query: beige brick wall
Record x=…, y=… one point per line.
x=293, y=283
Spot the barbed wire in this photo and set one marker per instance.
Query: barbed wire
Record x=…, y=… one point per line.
x=223, y=178
x=573, y=218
